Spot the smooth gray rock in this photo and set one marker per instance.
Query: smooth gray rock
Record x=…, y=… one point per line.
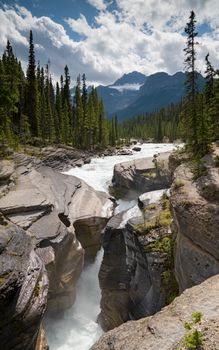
x=48, y=204
x=142, y=175
x=135, y=279
x=124, y=278
x=165, y=330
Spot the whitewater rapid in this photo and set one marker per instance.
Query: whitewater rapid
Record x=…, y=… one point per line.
x=98, y=174
x=77, y=329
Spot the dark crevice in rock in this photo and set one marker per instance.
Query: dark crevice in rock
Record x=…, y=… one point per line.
x=64, y=219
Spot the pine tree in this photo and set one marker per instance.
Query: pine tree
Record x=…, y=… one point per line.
x=31, y=90
x=79, y=115
x=85, y=127
x=191, y=120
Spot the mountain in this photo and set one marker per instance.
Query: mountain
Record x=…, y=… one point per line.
x=131, y=78
x=122, y=93
x=128, y=97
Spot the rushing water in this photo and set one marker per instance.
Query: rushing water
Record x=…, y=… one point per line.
x=99, y=172
x=77, y=329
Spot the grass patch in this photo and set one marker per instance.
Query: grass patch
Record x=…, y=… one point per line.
x=37, y=290
x=161, y=245
x=162, y=219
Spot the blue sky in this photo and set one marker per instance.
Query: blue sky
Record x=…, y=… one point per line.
x=107, y=38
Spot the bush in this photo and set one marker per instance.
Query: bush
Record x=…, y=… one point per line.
x=193, y=340
x=178, y=183
x=196, y=317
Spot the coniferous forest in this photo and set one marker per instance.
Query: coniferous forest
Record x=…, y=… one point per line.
x=33, y=110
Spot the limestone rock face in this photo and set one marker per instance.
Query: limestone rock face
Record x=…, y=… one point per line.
x=123, y=276
x=195, y=208
x=136, y=275
x=47, y=204
x=23, y=289
x=165, y=330
x=142, y=174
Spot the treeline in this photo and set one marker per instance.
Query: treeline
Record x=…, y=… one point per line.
x=196, y=118
x=201, y=110
x=158, y=126
x=33, y=110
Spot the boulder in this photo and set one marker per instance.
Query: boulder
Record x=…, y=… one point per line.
x=166, y=330
x=143, y=175
x=124, y=152
x=23, y=289
x=136, y=149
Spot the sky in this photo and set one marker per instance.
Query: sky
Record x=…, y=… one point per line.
x=106, y=38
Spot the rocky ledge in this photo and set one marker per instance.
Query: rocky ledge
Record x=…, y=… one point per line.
x=192, y=317
x=136, y=275
x=142, y=175
x=55, y=210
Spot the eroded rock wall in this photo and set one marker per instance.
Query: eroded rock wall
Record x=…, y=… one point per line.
x=123, y=276
x=196, y=224
x=23, y=289
x=166, y=329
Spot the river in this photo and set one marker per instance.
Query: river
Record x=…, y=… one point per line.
x=77, y=329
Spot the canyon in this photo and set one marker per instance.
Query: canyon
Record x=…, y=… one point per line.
x=158, y=245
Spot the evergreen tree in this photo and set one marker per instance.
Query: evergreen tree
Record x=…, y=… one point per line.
x=31, y=90
x=191, y=120
x=79, y=115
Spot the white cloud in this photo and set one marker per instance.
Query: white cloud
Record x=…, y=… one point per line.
x=146, y=36
x=79, y=25
x=99, y=4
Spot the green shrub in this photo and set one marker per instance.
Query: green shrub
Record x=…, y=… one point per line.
x=37, y=290
x=187, y=326
x=193, y=340
x=196, y=317
x=178, y=183
x=152, y=206
x=162, y=245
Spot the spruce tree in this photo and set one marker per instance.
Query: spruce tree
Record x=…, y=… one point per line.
x=31, y=90
x=191, y=120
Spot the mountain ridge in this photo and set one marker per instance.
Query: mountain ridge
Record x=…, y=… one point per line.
x=159, y=90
